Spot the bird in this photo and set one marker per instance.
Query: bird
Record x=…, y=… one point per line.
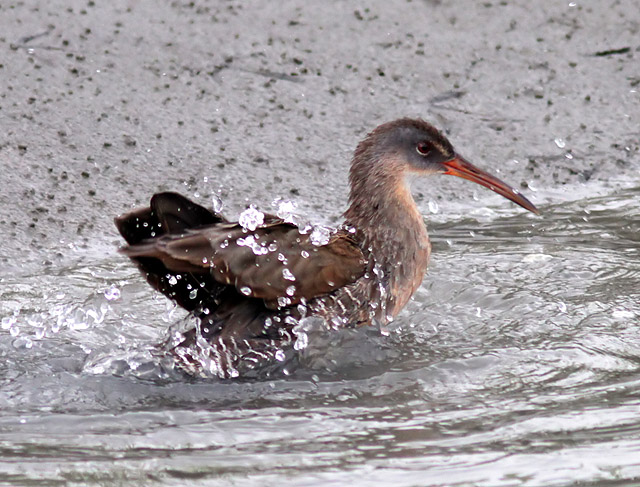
x=248, y=284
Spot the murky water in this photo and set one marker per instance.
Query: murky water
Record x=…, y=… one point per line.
x=517, y=364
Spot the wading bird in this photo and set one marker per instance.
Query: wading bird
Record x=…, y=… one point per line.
x=249, y=284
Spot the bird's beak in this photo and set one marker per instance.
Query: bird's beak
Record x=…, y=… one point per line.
x=458, y=166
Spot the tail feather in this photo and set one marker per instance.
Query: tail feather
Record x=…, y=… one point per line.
x=169, y=213
x=234, y=326
x=177, y=214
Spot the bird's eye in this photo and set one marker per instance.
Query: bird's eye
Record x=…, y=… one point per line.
x=423, y=148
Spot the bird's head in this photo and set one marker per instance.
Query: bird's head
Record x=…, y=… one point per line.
x=409, y=145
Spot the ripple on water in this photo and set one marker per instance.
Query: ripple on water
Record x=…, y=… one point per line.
x=517, y=363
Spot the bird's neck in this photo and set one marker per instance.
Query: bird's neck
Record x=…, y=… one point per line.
x=390, y=228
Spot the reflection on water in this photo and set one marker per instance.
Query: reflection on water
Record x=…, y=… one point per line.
x=517, y=363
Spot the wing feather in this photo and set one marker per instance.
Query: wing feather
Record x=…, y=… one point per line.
x=276, y=262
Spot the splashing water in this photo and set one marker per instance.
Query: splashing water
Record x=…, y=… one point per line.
x=250, y=219
x=320, y=235
x=257, y=247
x=217, y=203
x=286, y=209
x=112, y=293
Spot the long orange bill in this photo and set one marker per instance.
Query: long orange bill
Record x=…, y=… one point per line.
x=458, y=166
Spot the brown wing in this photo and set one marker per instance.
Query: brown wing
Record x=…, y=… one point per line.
x=276, y=262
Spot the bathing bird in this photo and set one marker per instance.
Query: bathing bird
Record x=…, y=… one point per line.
x=248, y=284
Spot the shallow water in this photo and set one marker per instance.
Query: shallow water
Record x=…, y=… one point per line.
x=517, y=364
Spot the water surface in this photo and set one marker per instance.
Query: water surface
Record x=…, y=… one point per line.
x=517, y=364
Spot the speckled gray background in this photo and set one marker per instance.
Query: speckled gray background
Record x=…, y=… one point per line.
x=104, y=103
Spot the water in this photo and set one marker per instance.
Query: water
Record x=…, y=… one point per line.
x=517, y=364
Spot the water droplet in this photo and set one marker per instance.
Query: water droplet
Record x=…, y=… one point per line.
x=560, y=142
x=205, y=260
x=290, y=320
x=291, y=290
x=304, y=254
x=304, y=229
x=280, y=356
x=320, y=235
x=272, y=247
x=112, y=293
x=245, y=290
x=250, y=219
x=173, y=281
x=252, y=242
x=286, y=210
x=302, y=341
x=286, y=273
x=7, y=322
x=193, y=294
x=217, y=203
x=378, y=271
x=283, y=302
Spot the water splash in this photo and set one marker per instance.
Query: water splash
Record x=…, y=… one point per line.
x=287, y=274
x=112, y=293
x=320, y=235
x=257, y=247
x=217, y=203
x=250, y=219
x=286, y=209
